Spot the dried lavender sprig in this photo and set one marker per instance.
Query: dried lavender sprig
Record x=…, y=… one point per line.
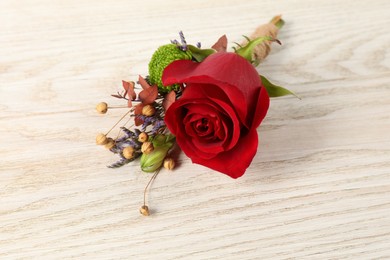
x=119, y=163
x=158, y=126
x=127, y=134
x=176, y=42
x=147, y=121
x=131, y=142
x=183, y=46
x=123, y=161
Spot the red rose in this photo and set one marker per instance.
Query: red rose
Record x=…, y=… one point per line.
x=216, y=118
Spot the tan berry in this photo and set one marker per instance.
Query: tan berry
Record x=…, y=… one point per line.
x=101, y=139
x=143, y=137
x=144, y=210
x=102, y=107
x=147, y=147
x=148, y=110
x=110, y=143
x=169, y=163
x=128, y=152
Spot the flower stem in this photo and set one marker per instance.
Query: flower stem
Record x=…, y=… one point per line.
x=150, y=181
x=119, y=121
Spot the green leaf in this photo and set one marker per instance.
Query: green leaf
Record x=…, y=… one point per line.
x=247, y=51
x=275, y=91
x=200, y=54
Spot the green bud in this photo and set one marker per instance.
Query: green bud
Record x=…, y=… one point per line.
x=151, y=162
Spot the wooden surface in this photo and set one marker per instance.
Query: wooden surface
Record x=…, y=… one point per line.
x=319, y=187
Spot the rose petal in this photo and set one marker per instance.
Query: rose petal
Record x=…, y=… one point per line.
x=191, y=143
x=233, y=162
x=219, y=99
x=261, y=108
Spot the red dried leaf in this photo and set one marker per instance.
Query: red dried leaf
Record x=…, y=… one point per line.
x=221, y=44
x=137, y=112
x=169, y=99
x=149, y=95
x=129, y=103
x=138, y=109
x=129, y=89
x=144, y=84
x=126, y=86
x=131, y=93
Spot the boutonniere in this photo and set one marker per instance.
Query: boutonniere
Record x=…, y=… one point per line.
x=208, y=101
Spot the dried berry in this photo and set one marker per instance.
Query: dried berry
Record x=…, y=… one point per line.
x=102, y=107
x=110, y=143
x=143, y=137
x=144, y=210
x=147, y=147
x=128, y=152
x=169, y=163
x=101, y=139
x=148, y=110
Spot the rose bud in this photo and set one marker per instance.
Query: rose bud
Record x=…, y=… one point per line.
x=169, y=163
x=143, y=137
x=148, y=110
x=147, y=147
x=128, y=152
x=102, y=108
x=101, y=139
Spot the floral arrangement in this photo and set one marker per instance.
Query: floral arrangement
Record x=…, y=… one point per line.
x=207, y=101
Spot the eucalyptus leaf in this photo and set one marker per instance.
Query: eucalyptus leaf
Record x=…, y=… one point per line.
x=275, y=91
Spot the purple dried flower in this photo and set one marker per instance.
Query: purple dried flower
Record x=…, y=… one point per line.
x=159, y=124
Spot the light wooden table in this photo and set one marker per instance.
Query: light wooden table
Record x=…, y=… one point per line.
x=319, y=187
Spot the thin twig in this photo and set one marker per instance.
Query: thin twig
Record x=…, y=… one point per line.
x=150, y=181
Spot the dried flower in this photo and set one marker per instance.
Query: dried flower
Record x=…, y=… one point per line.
x=169, y=163
x=101, y=139
x=148, y=110
x=110, y=143
x=128, y=152
x=144, y=210
x=102, y=107
x=143, y=137
x=147, y=147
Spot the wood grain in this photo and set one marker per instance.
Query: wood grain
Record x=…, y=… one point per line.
x=319, y=187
